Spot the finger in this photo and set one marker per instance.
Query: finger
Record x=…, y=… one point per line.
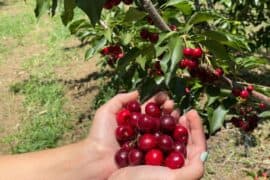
x=159, y=98
x=196, y=130
x=168, y=106
x=176, y=114
x=193, y=171
x=118, y=101
x=184, y=122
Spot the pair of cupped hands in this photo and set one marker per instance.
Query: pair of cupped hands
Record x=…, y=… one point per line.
x=103, y=134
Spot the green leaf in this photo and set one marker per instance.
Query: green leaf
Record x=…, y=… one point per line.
x=134, y=14
x=217, y=119
x=92, y=8
x=199, y=17
x=89, y=53
x=175, y=47
x=234, y=41
x=250, y=62
x=141, y=60
x=265, y=114
x=68, y=13
x=131, y=55
x=98, y=45
x=183, y=5
x=217, y=49
x=41, y=7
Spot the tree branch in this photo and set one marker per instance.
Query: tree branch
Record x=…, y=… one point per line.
x=161, y=24
x=257, y=95
x=157, y=19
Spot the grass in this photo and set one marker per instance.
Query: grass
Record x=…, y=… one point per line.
x=45, y=121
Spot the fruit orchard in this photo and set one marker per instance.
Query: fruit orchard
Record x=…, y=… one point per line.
x=197, y=51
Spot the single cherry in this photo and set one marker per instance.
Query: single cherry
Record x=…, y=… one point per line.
x=250, y=88
x=244, y=94
x=147, y=124
x=175, y=160
x=237, y=122
x=154, y=157
x=123, y=117
x=219, y=72
x=153, y=109
x=150, y=20
x=124, y=133
x=144, y=34
x=188, y=52
x=134, y=106
x=197, y=53
x=167, y=123
x=165, y=143
x=262, y=106
x=173, y=27
x=147, y=142
x=153, y=37
x=180, y=134
x=135, y=118
x=180, y=147
x=127, y=2
x=108, y=5
x=116, y=2
x=105, y=51
x=121, y=158
x=135, y=157
x=236, y=92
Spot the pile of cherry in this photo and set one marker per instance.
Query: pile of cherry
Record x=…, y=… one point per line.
x=153, y=138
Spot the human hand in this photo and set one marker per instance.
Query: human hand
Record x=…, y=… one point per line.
x=102, y=133
x=193, y=168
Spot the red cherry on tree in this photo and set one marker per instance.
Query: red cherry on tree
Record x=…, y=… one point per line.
x=236, y=92
x=144, y=34
x=173, y=27
x=116, y=2
x=262, y=106
x=153, y=37
x=154, y=157
x=127, y=2
x=197, y=53
x=219, y=72
x=250, y=88
x=188, y=52
x=244, y=94
x=175, y=160
x=108, y=4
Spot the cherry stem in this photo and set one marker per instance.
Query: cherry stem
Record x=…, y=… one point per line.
x=153, y=13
